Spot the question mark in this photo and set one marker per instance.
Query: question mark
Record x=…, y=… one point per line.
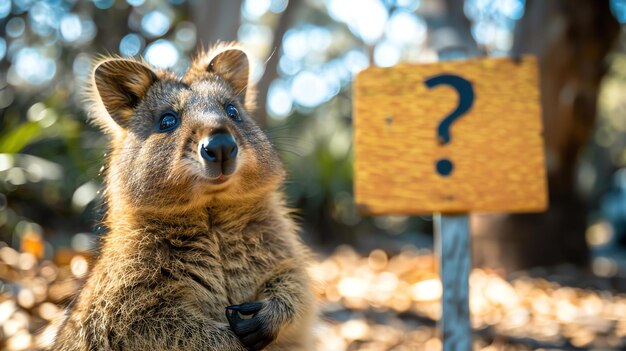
x=466, y=98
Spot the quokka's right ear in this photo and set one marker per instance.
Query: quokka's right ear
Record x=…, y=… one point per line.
x=120, y=84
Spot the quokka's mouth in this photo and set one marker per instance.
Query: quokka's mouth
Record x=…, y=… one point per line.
x=221, y=179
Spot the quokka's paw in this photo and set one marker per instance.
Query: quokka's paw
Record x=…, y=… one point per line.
x=250, y=326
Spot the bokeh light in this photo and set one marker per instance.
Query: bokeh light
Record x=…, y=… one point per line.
x=135, y=3
x=70, y=27
x=368, y=22
x=386, y=54
x=278, y=6
x=155, y=23
x=309, y=89
x=82, y=65
x=253, y=9
x=32, y=66
x=162, y=53
x=406, y=28
x=43, y=18
x=15, y=27
x=103, y=4
x=355, y=60
x=252, y=35
x=493, y=21
x=279, y=102
x=5, y=8
x=186, y=35
x=131, y=44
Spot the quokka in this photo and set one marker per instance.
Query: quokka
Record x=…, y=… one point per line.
x=201, y=253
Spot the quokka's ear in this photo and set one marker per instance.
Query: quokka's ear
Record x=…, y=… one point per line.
x=120, y=85
x=233, y=66
x=229, y=62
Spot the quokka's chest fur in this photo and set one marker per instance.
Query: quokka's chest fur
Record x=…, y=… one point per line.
x=223, y=266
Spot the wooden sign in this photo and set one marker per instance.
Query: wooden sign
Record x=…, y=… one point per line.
x=451, y=137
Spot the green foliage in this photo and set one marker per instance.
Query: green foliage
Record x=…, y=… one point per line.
x=14, y=140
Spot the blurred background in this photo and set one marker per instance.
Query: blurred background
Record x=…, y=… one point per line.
x=542, y=281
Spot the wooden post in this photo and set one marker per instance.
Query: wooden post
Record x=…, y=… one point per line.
x=452, y=242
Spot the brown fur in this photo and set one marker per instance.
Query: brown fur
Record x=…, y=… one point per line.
x=180, y=249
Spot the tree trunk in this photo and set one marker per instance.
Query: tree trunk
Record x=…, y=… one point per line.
x=451, y=33
x=215, y=20
x=285, y=21
x=571, y=40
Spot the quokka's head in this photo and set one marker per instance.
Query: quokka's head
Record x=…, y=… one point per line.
x=183, y=142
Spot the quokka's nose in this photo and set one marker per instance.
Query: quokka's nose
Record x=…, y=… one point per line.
x=219, y=148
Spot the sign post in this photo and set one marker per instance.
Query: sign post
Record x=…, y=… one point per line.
x=452, y=243
x=450, y=138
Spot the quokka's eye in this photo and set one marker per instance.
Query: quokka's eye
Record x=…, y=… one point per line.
x=232, y=112
x=169, y=121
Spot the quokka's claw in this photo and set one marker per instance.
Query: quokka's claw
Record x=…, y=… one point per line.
x=246, y=308
x=254, y=333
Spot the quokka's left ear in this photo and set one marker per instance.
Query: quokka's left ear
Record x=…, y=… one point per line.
x=229, y=62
